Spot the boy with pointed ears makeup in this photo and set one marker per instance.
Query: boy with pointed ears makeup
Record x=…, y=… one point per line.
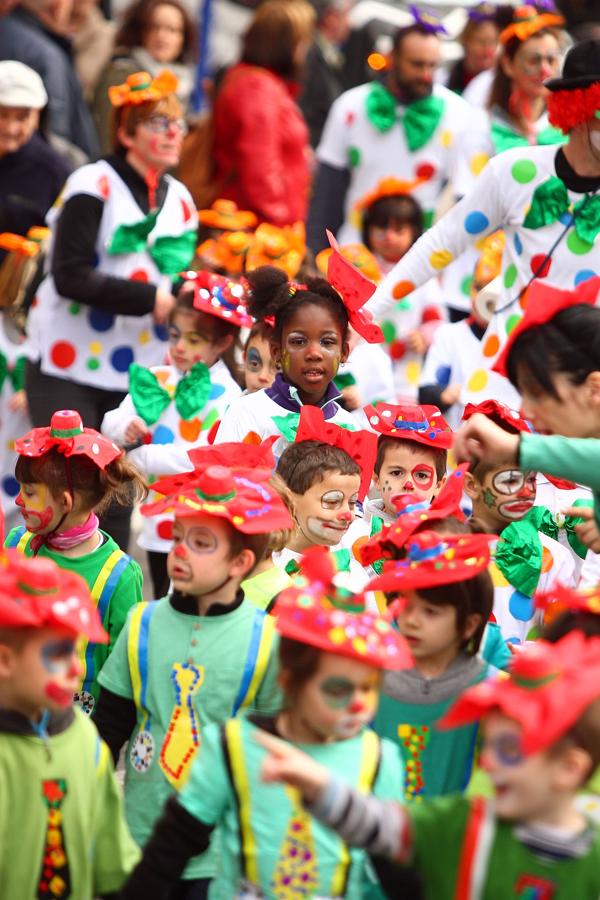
x=202, y=653
x=62, y=826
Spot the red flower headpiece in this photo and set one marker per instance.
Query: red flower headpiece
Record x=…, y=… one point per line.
x=435, y=560
x=543, y=303
x=315, y=611
x=569, y=108
x=67, y=434
x=527, y=21
x=36, y=593
x=219, y=296
x=549, y=687
x=355, y=290
x=140, y=87
x=422, y=424
x=360, y=445
x=413, y=517
x=561, y=598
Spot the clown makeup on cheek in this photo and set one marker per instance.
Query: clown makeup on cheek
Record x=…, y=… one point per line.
x=519, y=487
x=35, y=508
x=57, y=656
x=59, y=660
x=254, y=360
x=337, y=692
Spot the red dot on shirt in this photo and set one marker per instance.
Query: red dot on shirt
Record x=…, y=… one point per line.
x=425, y=170
x=63, y=354
x=139, y=275
x=164, y=530
x=539, y=260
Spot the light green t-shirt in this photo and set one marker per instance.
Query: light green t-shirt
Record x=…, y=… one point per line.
x=284, y=850
x=185, y=672
x=261, y=589
x=63, y=792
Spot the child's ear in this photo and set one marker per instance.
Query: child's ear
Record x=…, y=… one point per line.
x=472, y=488
x=440, y=485
x=593, y=383
x=242, y=564
x=7, y=655
x=224, y=343
x=345, y=352
x=574, y=770
x=376, y=481
x=471, y=625
x=66, y=502
x=275, y=352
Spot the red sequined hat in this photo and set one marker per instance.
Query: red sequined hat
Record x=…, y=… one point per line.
x=36, y=593
x=561, y=598
x=67, y=435
x=433, y=560
x=543, y=303
x=360, y=445
x=219, y=296
x=413, y=517
x=549, y=688
x=422, y=424
x=317, y=612
x=244, y=499
x=355, y=290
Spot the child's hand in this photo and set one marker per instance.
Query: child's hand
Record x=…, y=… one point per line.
x=285, y=763
x=450, y=395
x=587, y=531
x=351, y=397
x=163, y=304
x=18, y=402
x=481, y=437
x=135, y=431
x=416, y=342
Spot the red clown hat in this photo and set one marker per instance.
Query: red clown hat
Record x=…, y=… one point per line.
x=355, y=290
x=219, y=296
x=317, y=612
x=422, y=424
x=67, y=435
x=549, y=687
x=434, y=560
x=498, y=412
x=36, y=593
x=416, y=516
x=561, y=598
x=543, y=303
x=360, y=445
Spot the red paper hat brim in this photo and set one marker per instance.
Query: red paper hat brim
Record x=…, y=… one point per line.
x=494, y=409
x=242, y=320
x=249, y=515
x=354, y=289
x=234, y=455
x=543, y=303
x=567, y=598
x=90, y=443
x=438, y=436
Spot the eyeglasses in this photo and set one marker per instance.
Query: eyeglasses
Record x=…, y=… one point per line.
x=163, y=124
x=533, y=62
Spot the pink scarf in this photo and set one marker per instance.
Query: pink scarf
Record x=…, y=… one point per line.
x=66, y=540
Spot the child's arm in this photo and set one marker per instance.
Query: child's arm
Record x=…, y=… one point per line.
x=123, y=425
x=115, y=719
x=379, y=826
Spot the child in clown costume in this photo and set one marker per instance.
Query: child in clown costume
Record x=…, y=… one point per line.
x=525, y=559
x=310, y=341
x=172, y=408
x=331, y=655
x=68, y=473
x=58, y=784
x=540, y=744
x=202, y=653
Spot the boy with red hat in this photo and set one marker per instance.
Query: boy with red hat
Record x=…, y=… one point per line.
x=202, y=653
x=58, y=786
x=541, y=729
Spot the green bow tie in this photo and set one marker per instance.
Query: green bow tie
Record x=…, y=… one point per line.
x=419, y=119
x=341, y=559
x=519, y=554
x=16, y=375
x=151, y=399
x=287, y=426
x=344, y=380
x=171, y=254
x=505, y=138
x=552, y=528
x=550, y=201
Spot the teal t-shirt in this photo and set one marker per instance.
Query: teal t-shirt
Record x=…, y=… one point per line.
x=185, y=672
x=266, y=836
x=115, y=582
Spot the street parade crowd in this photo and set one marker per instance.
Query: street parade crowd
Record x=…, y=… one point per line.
x=299, y=455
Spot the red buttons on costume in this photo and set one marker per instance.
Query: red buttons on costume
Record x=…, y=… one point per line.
x=63, y=354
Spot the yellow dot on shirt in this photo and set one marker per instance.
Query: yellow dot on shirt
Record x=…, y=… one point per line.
x=95, y=347
x=477, y=162
x=356, y=218
x=498, y=579
x=477, y=381
x=440, y=258
x=446, y=138
x=412, y=372
x=143, y=337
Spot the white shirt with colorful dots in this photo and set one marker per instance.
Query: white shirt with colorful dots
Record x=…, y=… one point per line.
x=13, y=422
x=84, y=343
x=170, y=439
x=351, y=142
x=500, y=198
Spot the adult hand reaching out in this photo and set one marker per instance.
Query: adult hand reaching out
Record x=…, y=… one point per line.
x=481, y=438
x=163, y=304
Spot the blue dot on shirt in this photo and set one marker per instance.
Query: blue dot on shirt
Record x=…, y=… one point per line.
x=584, y=275
x=475, y=222
x=161, y=332
x=121, y=358
x=100, y=320
x=215, y=391
x=518, y=244
x=10, y=486
x=162, y=435
x=520, y=606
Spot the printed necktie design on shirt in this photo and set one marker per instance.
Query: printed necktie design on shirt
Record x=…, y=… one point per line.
x=183, y=734
x=55, y=879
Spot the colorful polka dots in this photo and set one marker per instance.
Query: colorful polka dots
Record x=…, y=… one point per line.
x=518, y=244
x=189, y=431
x=540, y=265
x=10, y=486
x=476, y=222
x=584, y=275
x=164, y=530
x=143, y=337
x=577, y=245
x=401, y=289
x=215, y=391
x=510, y=276
x=353, y=157
x=478, y=162
x=160, y=332
x=93, y=364
x=512, y=322
x=100, y=320
x=465, y=285
x=442, y=375
x=478, y=380
x=74, y=309
x=140, y=275
x=63, y=354
x=389, y=331
x=425, y=170
x=162, y=435
x=121, y=358
x=95, y=347
x=446, y=138
x=524, y=171
x=412, y=372
x=520, y=606
x=439, y=259
x=491, y=345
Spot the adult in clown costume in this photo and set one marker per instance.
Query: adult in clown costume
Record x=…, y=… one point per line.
x=546, y=200
x=403, y=125
x=122, y=229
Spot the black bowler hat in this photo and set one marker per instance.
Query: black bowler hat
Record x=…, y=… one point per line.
x=581, y=68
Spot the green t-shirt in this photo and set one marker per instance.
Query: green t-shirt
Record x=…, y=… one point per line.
x=261, y=589
x=61, y=791
x=509, y=869
x=115, y=582
x=266, y=836
x=185, y=672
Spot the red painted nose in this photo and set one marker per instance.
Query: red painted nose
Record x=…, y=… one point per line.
x=180, y=551
x=356, y=707
x=19, y=501
x=345, y=517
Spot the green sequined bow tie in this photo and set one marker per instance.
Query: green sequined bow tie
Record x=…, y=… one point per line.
x=550, y=202
x=419, y=120
x=16, y=375
x=171, y=254
x=551, y=527
x=151, y=399
x=518, y=554
x=287, y=426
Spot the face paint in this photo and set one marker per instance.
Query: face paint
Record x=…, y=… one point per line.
x=506, y=748
x=59, y=695
x=332, y=499
x=519, y=487
x=337, y=692
x=57, y=656
x=254, y=360
x=489, y=498
x=349, y=725
x=33, y=503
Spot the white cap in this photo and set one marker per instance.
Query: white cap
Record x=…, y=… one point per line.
x=21, y=86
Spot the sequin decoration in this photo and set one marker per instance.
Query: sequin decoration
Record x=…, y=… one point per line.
x=296, y=873
x=414, y=739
